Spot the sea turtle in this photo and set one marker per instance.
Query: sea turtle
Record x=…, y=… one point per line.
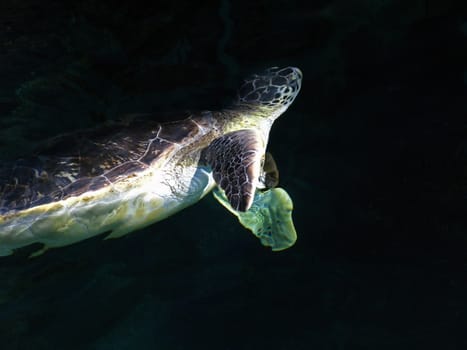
x=127, y=175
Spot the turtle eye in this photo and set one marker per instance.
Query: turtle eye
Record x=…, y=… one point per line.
x=278, y=81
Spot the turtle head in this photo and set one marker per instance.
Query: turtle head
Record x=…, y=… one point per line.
x=272, y=91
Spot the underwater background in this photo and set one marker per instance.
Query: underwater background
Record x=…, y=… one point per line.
x=373, y=153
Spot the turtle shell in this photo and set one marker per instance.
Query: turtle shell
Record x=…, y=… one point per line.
x=72, y=164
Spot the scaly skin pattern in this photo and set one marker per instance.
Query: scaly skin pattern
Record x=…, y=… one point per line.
x=175, y=177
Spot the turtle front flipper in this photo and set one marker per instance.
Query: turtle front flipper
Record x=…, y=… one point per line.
x=269, y=177
x=235, y=159
x=269, y=218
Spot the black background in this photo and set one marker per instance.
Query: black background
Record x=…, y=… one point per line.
x=373, y=153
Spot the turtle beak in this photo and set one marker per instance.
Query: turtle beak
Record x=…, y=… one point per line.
x=295, y=78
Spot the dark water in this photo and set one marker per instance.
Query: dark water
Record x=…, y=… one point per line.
x=373, y=153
